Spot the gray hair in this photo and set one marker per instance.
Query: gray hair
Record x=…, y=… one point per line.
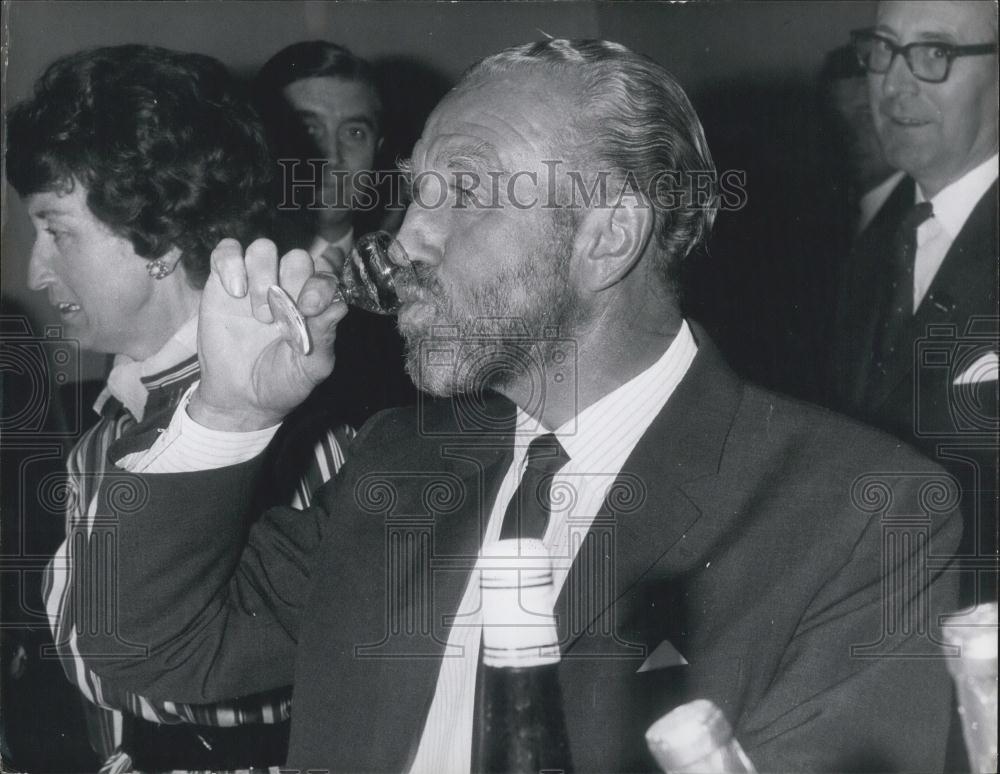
x=636, y=121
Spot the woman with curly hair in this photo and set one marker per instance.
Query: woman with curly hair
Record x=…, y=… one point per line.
x=133, y=162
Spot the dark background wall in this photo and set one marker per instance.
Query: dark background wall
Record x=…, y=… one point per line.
x=749, y=67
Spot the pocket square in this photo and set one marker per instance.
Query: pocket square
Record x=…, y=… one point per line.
x=984, y=369
x=665, y=655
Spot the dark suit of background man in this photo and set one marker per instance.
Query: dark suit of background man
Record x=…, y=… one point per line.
x=916, y=350
x=711, y=539
x=324, y=117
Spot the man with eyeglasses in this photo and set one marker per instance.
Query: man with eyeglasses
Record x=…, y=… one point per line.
x=917, y=333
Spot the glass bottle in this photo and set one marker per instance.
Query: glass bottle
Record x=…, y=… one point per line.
x=522, y=725
x=696, y=737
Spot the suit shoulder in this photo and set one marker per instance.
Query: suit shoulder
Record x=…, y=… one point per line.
x=786, y=425
x=464, y=418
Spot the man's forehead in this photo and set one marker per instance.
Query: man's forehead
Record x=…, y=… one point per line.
x=494, y=122
x=330, y=94
x=960, y=20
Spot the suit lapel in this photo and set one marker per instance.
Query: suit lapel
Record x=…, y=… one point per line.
x=652, y=514
x=970, y=260
x=964, y=285
x=424, y=503
x=870, y=267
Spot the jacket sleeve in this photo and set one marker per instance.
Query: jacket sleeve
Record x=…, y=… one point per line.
x=199, y=605
x=863, y=683
x=198, y=594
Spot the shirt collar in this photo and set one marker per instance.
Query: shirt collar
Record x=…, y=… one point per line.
x=621, y=417
x=954, y=203
x=345, y=243
x=128, y=377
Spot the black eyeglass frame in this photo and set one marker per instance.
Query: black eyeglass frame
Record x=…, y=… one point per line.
x=951, y=52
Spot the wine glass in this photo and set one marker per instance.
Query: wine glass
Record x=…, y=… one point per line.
x=368, y=280
x=373, y=271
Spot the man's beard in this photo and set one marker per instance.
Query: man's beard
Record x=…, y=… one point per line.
x=505, y=330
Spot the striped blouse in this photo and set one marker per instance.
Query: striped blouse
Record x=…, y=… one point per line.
x=79, y=580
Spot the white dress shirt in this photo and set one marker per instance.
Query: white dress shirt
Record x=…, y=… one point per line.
x=598, y=441
x=952, y=206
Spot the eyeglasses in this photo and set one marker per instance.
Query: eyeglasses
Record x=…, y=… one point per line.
x=930, y=62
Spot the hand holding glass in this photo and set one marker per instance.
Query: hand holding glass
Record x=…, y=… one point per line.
x=368, y=280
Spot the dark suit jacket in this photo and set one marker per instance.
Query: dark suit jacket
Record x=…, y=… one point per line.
x=748, y=531
x=956, y=323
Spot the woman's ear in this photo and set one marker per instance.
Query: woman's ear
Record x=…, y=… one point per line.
x=172, y=257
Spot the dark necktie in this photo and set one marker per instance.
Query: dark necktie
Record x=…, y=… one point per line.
x=890, y=336
x=527, y=515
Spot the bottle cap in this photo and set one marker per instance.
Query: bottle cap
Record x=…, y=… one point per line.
x=519, y=627
x=688, y=734
x=974, y=632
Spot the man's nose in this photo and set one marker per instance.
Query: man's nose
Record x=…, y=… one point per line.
x=419, y=237
x=332, y=150
x=40, y=273
x=899, y=79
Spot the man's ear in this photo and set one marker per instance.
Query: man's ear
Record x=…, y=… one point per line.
x=611, y=239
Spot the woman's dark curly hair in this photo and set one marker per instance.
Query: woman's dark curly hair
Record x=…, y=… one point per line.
x=170, y=152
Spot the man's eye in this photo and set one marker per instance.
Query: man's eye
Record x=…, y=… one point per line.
x=937, y=52
x=313, y=130
x=466, y=197
x=357, y=133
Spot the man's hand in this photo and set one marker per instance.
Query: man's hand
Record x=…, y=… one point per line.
x=250, y=376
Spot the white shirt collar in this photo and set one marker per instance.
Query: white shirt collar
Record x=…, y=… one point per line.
x=125, y=380
x=345, y=243
x=621, y=417
x=954, y=203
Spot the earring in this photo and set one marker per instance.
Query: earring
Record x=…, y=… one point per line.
x=158, y=269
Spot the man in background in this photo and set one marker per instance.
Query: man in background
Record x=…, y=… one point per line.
x=869, y=177
x=916, y=340
x=323, y=112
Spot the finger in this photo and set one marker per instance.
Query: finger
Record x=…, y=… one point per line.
x=262, y=272
x=318, y=293
x=323, y=327
x=228, y=266
x=295, y=267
